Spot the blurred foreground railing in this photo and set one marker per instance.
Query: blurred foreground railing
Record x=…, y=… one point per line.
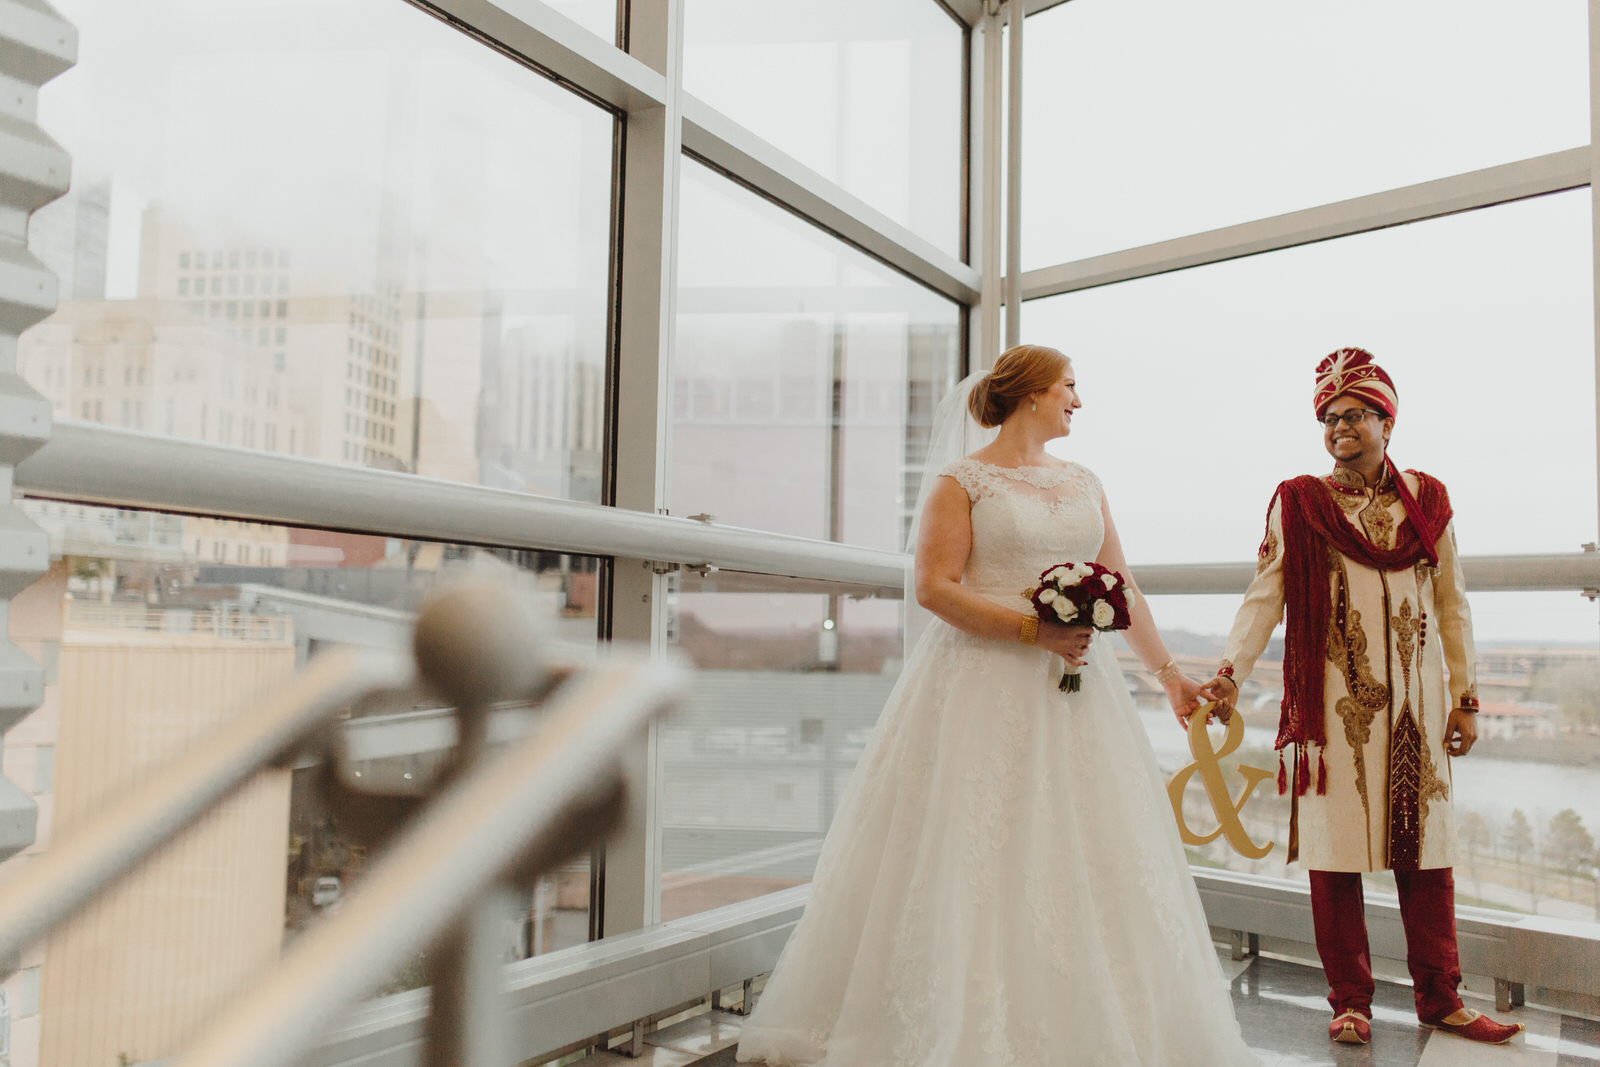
x=446, y=863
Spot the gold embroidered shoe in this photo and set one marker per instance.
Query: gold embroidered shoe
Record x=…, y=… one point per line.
x=1350, y=1028
x=1478, y=1027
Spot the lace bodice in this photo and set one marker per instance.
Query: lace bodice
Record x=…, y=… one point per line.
x=1025, y=519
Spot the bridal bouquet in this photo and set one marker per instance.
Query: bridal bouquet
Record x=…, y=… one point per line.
x=1084, y=594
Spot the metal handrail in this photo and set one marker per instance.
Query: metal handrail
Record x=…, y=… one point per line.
x=195, y=477
x=529, y=808
x=95, y=857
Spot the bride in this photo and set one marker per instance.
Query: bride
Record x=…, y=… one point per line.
x=1003, y=884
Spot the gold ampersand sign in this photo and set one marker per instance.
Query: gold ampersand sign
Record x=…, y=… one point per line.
x=1207, y=763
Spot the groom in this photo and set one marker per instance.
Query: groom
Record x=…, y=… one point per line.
x=1365, y=561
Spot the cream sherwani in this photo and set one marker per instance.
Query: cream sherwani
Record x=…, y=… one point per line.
x=1392, y=638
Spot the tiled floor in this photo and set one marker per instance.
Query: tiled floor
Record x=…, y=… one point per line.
x=1284, y=1017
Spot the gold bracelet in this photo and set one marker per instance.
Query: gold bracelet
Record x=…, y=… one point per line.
x=1030, y=630
x=1167, y=670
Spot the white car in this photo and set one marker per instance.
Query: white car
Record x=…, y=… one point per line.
x=325, y=891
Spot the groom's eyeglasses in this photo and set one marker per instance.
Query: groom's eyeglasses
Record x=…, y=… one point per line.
x=1351, y=418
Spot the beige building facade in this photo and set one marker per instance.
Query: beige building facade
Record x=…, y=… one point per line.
x=126, y=691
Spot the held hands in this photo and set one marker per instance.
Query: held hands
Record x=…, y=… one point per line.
x=1460, y=732
x=1183, y=694
x=1223, y=690
x=1071, y=643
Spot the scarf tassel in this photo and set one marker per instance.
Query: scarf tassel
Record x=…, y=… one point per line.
x=1302, y=774
x=1283, y=775
x=1322, y=773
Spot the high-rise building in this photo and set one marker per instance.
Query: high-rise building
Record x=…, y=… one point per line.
x=72, y=235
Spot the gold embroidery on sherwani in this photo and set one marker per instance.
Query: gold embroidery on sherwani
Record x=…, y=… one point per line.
x=1347, y=647
x=1431, y=786
x=1405, y=787
x=1370, y=508
x=1377, y=521
x=1413, y=776
x=1405, y=639
x=1346, y=480
x=1268, y=553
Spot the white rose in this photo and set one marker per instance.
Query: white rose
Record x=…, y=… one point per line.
x=1082, y=570
x=1054, y=572
x=1047, y=595
x=1069, y=579
x=1104, y=614
x=1128, y=595
x=1066, y=611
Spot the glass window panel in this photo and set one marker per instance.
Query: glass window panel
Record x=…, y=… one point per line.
x=599, y=17
x=1538, y=751
x=153, y=628
x=805, y=373
x=1197, y=384
x=867, y=95
x=792, y=675
x=436, y=218
x=1148, y=120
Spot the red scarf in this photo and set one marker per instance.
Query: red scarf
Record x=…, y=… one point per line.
x=1312, y=524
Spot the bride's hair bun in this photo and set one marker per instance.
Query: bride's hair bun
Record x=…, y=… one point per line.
x=1018, y=373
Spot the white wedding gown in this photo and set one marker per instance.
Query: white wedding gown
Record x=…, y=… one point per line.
x=1003, y=884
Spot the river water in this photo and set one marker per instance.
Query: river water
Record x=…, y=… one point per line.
x=1491, y=787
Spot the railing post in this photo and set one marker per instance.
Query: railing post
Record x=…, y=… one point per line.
x=36, y=44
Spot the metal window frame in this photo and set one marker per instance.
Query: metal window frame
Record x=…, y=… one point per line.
x=1539, y=176
x=545, y=40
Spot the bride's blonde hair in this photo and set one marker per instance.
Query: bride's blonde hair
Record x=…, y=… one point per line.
x=1017, y=374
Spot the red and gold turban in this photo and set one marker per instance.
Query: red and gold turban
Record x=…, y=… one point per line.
x=1351, y=372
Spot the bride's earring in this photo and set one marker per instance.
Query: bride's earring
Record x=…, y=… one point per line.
x=1034, y=406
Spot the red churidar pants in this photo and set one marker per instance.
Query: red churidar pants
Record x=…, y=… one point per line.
x=1427, y=908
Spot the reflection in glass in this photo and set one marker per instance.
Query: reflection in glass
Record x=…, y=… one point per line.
x=868, y=95
x=386, y=246
x=1147, y=120
x=155, y=628
x=792, y=677
x=805, y=374
x=1197, y=384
